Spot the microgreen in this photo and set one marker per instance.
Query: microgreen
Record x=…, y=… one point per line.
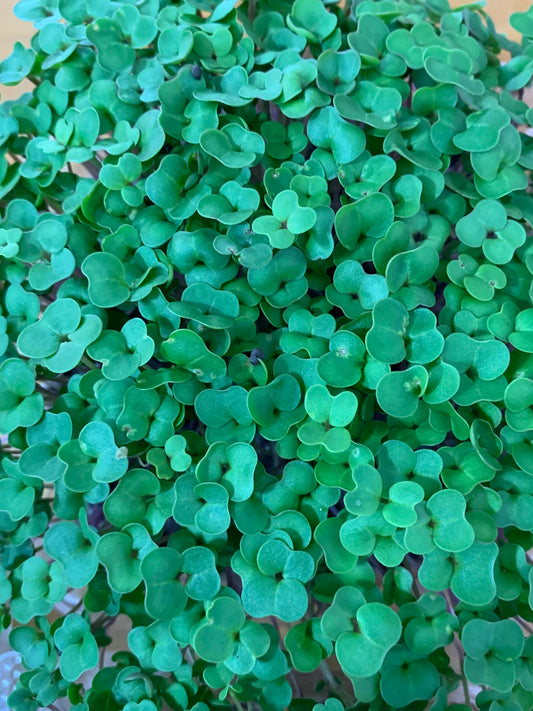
x=266, y=356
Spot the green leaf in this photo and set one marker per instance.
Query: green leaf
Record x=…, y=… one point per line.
x=399, y=393
x=66, y=543
x=79, y=651
x=120, y=553
x=361, y=653
x=61, y=336
x=107, y=280
x=17, y=66
x=311, y=20
x=452, y=66
x=188, y=351
x=122, y=352
x=165, y=595
x=20, y=405
x=328, y=130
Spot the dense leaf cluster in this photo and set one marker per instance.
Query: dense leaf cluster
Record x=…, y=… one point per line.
x=266, y=355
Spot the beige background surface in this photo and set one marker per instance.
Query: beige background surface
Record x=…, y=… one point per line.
x=13, y=29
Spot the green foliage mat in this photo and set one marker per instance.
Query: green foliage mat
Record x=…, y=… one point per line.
x=266, y=356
